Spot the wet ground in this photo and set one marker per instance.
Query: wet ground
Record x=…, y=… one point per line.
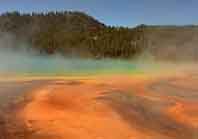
x=13, y=96
x=105, y=107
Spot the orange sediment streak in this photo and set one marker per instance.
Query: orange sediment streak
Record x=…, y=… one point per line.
x=186, y=113
x=78, y=108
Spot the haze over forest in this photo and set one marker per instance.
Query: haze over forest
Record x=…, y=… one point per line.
x=76, y=34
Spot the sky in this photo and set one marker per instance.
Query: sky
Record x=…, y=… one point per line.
x=116, y=12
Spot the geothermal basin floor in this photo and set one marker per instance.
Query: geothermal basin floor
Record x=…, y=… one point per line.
x=101, y=107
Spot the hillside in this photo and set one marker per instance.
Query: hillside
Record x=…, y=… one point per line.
x=172, y=42
x=68, y=33
x=76, y=34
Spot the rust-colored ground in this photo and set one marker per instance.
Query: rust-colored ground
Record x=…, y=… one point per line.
x=113, y=107
x=116, y=107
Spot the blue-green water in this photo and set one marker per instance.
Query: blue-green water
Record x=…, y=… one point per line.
x=60, y=67
x=33, y=65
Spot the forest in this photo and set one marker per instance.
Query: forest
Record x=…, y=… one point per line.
x=71, y=34
x=76, y=34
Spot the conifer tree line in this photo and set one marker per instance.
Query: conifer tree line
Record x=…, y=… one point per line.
x=72, y=34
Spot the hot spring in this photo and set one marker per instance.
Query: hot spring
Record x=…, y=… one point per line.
x=16, y=64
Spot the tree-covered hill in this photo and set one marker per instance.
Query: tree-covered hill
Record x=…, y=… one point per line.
x=172, y=42
x=80, y=35
x=71, y=34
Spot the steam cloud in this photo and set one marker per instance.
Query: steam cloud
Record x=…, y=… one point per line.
x=17, y=58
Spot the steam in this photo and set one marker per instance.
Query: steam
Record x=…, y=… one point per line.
x=17, y=58
x=21, y=63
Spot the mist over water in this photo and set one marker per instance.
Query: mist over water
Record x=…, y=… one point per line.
x=24, y=63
